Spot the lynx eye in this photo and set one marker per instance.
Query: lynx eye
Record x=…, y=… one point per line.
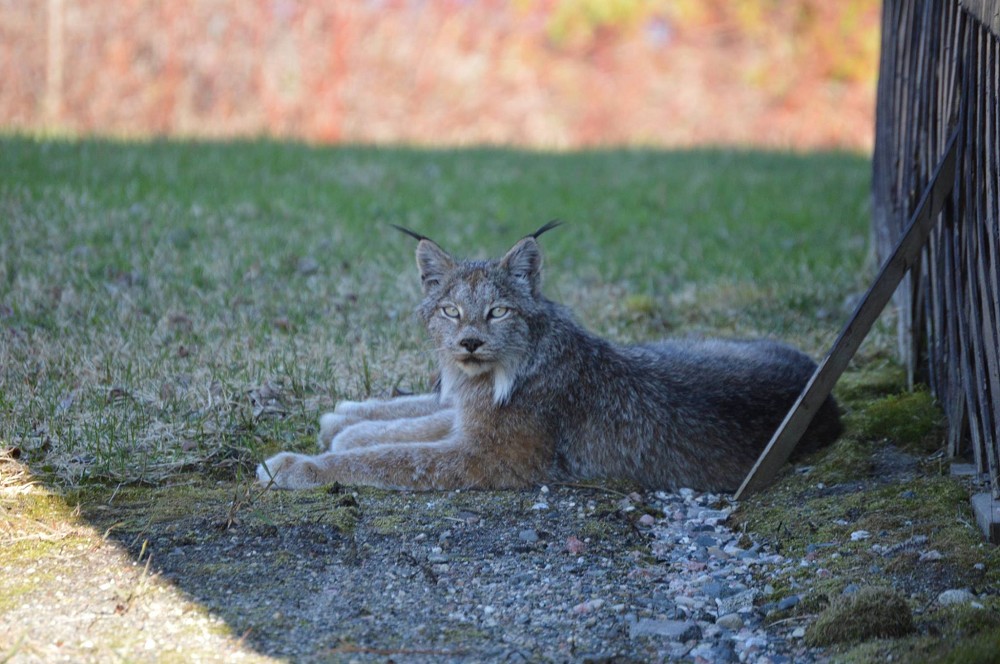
x=451, y=311
x=497, y=313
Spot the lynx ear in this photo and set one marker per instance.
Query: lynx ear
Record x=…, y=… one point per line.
x=524, y=261
x=434, y=262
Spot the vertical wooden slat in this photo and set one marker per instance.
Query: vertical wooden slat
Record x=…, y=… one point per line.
x=940, y=70
x=985, y=242
x=993, y=182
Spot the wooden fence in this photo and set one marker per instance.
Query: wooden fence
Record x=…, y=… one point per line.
x=939, y=74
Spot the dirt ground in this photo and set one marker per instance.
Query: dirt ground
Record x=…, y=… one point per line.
x=204, y=571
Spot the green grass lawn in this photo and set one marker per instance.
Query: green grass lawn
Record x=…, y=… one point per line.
x=170, y=313
x=170, y=307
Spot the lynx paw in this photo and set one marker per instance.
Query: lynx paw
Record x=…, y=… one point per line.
x=330, y=425
x=289, y=471
x=359, y=434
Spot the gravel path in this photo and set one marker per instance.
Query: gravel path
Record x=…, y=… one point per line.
x=556, y=574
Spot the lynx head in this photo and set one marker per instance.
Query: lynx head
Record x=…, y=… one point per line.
x=479, y=313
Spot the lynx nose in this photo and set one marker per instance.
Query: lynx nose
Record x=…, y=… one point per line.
x=471, y=344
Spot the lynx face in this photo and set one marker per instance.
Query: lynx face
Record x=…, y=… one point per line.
x=478, y=312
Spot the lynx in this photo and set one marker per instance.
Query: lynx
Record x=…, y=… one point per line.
x=527, y=395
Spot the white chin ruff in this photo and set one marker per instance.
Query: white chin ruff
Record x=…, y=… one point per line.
x=503, y=379
x=503, y=385
x=473, y=369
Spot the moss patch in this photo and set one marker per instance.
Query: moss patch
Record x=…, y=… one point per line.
x=194, y=504
x=912, y=421
x=848, y=460
x=983, y=648
x=956, y=635
x=870, y=382
x=915, y=534
x=867, y=614
x=964, y=620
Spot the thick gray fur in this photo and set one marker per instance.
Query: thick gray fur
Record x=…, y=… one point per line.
x=528, y=395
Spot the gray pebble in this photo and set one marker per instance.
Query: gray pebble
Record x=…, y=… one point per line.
x=789, y=602
x=674, y=630
x=706, y=540
x=731, y=621
x=955, y=596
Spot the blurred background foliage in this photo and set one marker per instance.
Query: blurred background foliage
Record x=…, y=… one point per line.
x=541, y=73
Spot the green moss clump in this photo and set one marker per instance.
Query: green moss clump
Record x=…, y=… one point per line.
x=846, y=460
x=983, y=648
x=388, y=524
x=870, y=383
x=965, y=620
x=871, y=612
x=911, y=421
x=642, y=305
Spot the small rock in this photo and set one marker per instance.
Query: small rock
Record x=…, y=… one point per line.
x=929, y=556
x=789, y=602
x=955, y=596
x=799, y=633
x=850, y=589
x=647, y=520
x=675, y=630
x=701, y=651
x=574, y=545
x=588, y=606
x=522, y=578
x=731, y=621
x=716, y=552
x=739, y=602
x=723, y=653
x=718, y=516
x=713, y=589
x=859, y=535
x=529, y=535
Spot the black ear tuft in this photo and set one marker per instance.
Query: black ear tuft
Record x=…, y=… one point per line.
x=547, y=227
x=413, y=234
x=432, y=260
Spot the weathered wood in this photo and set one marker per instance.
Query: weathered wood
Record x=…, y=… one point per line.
x=907, y=252
x=987, y=511
x=986, y=12
x=940, y=69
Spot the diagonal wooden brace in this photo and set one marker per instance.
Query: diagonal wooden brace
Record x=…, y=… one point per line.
x=905, y=254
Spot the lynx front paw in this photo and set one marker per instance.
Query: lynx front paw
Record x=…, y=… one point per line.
x=330, y=425
x=289, y=471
